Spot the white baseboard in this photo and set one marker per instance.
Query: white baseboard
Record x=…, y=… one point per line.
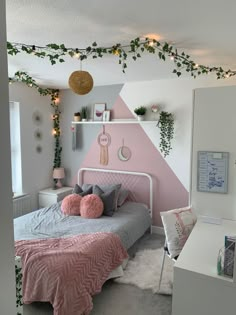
x=158, y=230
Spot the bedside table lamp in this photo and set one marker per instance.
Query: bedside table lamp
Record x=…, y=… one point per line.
x=58, y=173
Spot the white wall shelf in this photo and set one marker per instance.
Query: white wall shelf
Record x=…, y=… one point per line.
x=116, y=121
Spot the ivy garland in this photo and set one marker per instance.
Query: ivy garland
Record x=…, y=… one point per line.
x=182, y=61
x=166, y=125
x=21, y=76
x=138, y=46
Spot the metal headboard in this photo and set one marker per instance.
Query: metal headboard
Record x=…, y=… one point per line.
x=119, y=174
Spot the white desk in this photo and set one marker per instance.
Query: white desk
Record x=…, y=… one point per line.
x=198, y=290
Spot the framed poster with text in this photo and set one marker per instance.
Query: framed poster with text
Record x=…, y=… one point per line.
x=212, y=172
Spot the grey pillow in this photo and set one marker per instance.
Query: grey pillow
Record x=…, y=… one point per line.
x=108, y=199
x=123, y=195
x=82, y=192
x=106, y=188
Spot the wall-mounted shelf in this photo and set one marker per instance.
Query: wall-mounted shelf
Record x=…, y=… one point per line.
x=116, y=121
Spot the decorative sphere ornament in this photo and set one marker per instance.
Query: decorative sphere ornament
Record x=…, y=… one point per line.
x=81, y=82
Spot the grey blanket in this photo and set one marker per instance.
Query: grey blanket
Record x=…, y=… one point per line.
x=130, y=222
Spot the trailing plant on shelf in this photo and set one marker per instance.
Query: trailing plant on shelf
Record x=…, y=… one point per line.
x=84, y=113
x=166, y=126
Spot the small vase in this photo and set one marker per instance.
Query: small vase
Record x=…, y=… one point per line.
x=140, y=117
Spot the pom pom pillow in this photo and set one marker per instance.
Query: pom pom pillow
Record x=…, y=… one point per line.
x=91, y=207
x=71, y=204
x=178, y=225
x=106, y=189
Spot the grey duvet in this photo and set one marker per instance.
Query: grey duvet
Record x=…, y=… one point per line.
x=130, y=222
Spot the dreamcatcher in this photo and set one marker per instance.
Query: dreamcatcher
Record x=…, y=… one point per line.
x=104, y=140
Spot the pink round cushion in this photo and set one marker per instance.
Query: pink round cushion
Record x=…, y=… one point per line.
x=71, y=204
x=91, y=207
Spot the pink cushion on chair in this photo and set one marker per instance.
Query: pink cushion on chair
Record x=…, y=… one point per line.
x=91, y=207
x=71, y=204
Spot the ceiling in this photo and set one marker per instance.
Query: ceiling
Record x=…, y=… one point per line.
x=204, y=28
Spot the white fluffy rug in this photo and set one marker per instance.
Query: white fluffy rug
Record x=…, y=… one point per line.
x=144, y=271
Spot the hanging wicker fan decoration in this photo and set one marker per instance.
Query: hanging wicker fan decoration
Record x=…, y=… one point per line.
x=81, y=82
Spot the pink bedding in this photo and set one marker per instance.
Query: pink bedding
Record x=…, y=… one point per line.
x=67, y=271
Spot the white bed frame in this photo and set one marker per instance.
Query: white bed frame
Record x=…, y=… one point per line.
x=80, y=173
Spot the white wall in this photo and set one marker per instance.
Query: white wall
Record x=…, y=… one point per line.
x=176, y=96
x=7, y=271
x=36, y=167
x=214, y=130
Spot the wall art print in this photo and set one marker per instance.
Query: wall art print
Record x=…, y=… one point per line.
x=98, y=110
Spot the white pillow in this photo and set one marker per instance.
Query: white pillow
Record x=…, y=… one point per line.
x=178, y=225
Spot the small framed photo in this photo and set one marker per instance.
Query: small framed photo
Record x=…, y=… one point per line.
x=99, y=108
x=106, y=115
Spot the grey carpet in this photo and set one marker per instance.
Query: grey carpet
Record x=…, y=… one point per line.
x=121, y=299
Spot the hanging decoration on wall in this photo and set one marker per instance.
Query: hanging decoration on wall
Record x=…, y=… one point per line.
x=81, y=82
x=38, y=134
x=21, y=76
x=104, y=140
x=39, y=149
x=124, y=153
x=37, y=118
x=136, y=48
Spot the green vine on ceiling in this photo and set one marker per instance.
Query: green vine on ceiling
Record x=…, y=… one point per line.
x=136, y=48
x=21, y=76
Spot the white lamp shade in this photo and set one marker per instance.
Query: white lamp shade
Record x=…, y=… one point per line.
x=58, y=173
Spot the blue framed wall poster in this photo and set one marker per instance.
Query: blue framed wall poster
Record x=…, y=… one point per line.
x=213, y=172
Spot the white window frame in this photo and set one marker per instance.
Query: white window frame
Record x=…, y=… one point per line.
x=16, y=163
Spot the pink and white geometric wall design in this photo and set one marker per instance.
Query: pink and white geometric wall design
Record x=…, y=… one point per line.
x=168, y=191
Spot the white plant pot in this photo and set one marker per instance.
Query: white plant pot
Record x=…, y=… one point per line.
x=140, y=117
x=84, y=119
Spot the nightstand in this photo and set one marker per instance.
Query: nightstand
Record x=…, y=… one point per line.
x=49, y=196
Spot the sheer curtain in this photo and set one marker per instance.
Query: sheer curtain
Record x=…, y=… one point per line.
x=15, y=147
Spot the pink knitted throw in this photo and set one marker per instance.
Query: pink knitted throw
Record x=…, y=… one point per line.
x=67, y=271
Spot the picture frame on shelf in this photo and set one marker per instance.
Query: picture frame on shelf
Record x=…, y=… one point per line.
x=98, y=110
x=106, y=115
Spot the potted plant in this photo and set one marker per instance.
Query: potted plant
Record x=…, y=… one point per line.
x=84, y=113
x=140, y=112
x=77, y=116
x=166, y=125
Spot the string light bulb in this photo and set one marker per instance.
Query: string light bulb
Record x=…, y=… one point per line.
x=57, y=100
x=54, y=132
x=116, y=52
x=151, y=43
x=77, y=53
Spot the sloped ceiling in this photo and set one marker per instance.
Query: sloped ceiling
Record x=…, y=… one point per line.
x=204, y=28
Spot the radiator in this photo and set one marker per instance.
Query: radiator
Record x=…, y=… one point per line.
x=21, y=206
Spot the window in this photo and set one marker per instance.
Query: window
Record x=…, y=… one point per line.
x=15, y=148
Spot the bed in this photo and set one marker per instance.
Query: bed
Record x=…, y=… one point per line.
x=50, y=228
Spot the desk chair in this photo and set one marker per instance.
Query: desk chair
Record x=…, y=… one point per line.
x=178, y=224
x=165, y=253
